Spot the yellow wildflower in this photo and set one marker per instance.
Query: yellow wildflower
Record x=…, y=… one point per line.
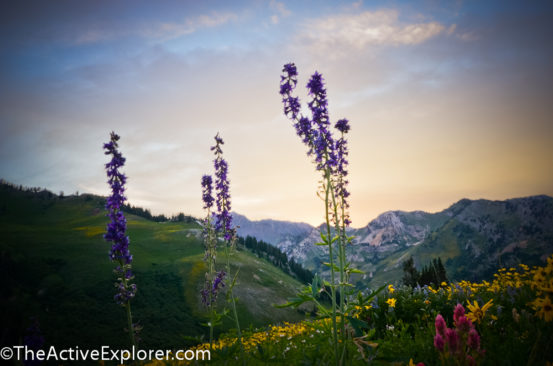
x=544, y=308
x=391, y=289
x=391, y=302
x=477, y=313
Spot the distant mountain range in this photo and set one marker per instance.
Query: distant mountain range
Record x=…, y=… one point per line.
x=473, y=238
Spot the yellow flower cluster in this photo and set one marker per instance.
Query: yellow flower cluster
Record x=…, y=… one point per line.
x=274, y=334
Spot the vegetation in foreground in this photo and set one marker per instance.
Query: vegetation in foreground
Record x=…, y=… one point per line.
x=512, y=317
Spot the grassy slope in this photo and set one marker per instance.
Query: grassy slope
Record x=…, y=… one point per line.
x=54, y=265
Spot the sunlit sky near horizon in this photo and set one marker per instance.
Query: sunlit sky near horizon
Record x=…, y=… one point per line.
x=446, y=100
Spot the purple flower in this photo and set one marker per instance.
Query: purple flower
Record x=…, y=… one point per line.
x=324, y=147
x=342, y=125
x=210, y=291
x=304, y=130
x=314, y=132
x=288, y=83
x=223, y=222
x=218, y=282
x=207, y=191
x=117, y=227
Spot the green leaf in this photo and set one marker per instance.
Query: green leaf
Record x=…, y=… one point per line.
x=357, y=325
x=321, y=243
x=315, y=285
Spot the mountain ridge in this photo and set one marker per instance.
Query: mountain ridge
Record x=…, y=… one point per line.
x=486, y=232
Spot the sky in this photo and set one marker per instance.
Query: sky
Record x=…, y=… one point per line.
x=446, y=100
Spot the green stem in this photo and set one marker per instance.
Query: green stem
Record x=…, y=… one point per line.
x=211, y=270
x=233, y=302
x=342, y=261
x=332, y=279
x=130, y=325
x=128, y=305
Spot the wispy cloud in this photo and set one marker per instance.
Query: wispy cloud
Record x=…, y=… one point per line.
x=156, y=30
x=279, y=9
x=359, y=31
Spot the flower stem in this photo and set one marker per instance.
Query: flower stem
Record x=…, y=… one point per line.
x=130, y=325
x=332, y=276
x=233, y=302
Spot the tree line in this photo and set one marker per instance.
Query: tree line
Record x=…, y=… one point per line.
x=276, y=257
x=433, y=273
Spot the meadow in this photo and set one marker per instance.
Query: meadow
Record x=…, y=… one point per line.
x=55, y=267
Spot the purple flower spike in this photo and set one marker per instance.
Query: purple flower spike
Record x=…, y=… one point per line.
x=223, y=222
x=117, y=227
x=342, y=126
x=209, y=292
x=288, y=83
x=324, y=147
x=207, y=189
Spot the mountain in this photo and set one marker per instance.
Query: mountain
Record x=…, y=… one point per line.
x=270, y=231
x=473, y=237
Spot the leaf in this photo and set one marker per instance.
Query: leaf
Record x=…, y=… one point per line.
x=321, y=243
x=358, y=325
x=315, y=285
x=333, y=266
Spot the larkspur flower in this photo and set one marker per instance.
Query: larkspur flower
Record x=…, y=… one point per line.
x=116, y=233
x=116, y=228
x=324, y=146
x=223, y=222
x=212, y=288
x=288, y=83
x=207, y=189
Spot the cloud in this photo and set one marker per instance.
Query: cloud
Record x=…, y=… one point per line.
x=280, y=9
x=157, y=30
x=358, y=31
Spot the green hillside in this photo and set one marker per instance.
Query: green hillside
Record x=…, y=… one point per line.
x=54, y=266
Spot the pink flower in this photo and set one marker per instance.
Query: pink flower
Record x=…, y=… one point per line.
x=474, y=339
x=452, y=339
x=458, y=312
x=464, y=324
x=440, y=325
x=439, y=342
